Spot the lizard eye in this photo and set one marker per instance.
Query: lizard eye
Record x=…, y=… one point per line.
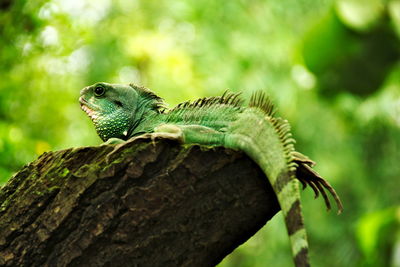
x=99, y=90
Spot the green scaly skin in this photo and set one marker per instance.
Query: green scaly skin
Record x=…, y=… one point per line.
x=121, y=112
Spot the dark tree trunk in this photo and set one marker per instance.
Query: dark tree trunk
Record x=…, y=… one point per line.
x=136, y=204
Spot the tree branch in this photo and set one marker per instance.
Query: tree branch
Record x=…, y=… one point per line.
x=135, y=204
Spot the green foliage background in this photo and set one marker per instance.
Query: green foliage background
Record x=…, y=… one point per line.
x=332, y=68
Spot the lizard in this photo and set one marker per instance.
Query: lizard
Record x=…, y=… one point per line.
x=121, y=112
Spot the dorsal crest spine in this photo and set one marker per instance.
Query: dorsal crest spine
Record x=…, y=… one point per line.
x=260, y=100
x=282, y=127
x=230, y=99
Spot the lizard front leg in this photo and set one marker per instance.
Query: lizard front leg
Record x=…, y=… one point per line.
x=114, y=141
x=188, y=134
x=163, y=131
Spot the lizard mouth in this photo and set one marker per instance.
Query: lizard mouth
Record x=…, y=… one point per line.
x=89, y=111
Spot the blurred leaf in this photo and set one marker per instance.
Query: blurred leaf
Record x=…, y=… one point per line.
x=360, y=15
x=348, y=61
x=394, y=13
x=377, y=233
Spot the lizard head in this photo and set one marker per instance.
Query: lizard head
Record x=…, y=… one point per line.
x=111, y=108
x=116, y=109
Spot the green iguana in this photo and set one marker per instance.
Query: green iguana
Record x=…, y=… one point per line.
x=120, y=112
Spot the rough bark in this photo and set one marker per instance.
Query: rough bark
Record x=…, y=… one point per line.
x=136, y=204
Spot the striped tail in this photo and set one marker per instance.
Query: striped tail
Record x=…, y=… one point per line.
x=292, y=213
x=287, y=190
x=267, y=141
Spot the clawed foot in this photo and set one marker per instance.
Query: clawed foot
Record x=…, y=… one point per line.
x=307, y=176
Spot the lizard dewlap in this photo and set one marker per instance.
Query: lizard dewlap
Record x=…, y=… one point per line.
x=120, y=112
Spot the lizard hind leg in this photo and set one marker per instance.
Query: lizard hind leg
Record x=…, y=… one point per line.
x=308, y=176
